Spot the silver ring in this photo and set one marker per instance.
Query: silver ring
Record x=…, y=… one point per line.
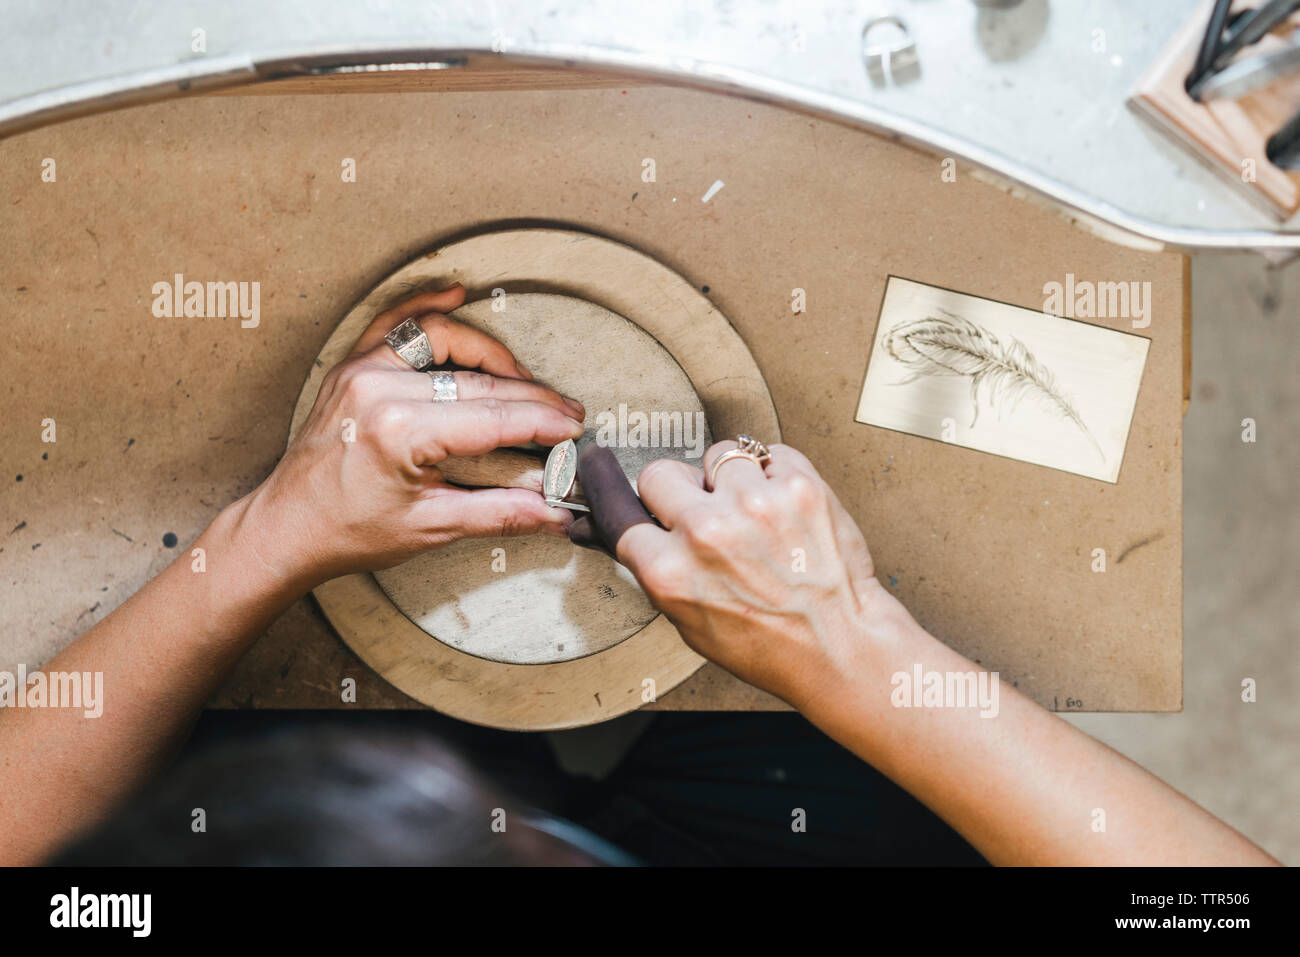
x=746, y=448
x=444, y=386
x=893, y=56
x=409, y=341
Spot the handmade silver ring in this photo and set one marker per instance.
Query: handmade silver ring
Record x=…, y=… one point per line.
x=747, y=447
x=409, y=341
x=444, y=385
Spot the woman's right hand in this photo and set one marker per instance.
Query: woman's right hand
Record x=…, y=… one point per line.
x=769, y=577
x=766, y=574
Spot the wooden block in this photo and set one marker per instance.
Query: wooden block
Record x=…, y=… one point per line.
x=164, y=421
x=1226, y=133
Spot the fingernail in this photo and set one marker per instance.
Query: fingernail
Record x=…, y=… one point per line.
x=523, y=370
x=562, y=521
x=576, y=406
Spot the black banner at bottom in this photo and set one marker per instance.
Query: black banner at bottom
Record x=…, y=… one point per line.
x=209, y=906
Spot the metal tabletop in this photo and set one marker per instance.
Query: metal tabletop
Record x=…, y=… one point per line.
x=1034, y=95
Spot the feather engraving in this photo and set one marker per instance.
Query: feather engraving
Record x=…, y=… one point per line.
x=1004, y=371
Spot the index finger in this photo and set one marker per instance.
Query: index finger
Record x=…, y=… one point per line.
x=444, y=301
x=449, y=340
x=463, y=429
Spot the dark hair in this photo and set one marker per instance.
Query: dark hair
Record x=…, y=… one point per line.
x=322, y=796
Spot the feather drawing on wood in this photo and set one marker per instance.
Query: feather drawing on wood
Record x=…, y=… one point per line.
x=1004, y=371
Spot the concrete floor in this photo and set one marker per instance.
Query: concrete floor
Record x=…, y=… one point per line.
x=1241, y=579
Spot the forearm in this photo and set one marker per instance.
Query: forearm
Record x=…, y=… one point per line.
x=1023, y=786
x=161, y=654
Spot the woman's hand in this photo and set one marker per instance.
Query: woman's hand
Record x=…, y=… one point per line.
x=359, y=488
x=766, y=574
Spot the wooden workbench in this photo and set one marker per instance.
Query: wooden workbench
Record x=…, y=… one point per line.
x=161, y=422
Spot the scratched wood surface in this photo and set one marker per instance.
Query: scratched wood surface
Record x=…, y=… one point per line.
x=161, y=422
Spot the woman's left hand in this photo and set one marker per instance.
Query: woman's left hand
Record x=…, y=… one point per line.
x=359, y=487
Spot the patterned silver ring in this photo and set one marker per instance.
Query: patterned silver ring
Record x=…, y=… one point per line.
x=444, y=386
x=409, y=341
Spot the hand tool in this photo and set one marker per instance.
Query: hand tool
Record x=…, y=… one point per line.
x=1243, y=29
x=579, y=469
x=1242, y=77
x=615, y=505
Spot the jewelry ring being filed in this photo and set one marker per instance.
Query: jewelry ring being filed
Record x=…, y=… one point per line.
x=747, y=447
x=444, y=385
x=409, y=341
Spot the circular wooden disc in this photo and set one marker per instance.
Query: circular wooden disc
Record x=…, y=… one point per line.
x=729, y=386
x=539, y=600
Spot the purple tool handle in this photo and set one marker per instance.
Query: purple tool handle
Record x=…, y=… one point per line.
x=615, y=507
